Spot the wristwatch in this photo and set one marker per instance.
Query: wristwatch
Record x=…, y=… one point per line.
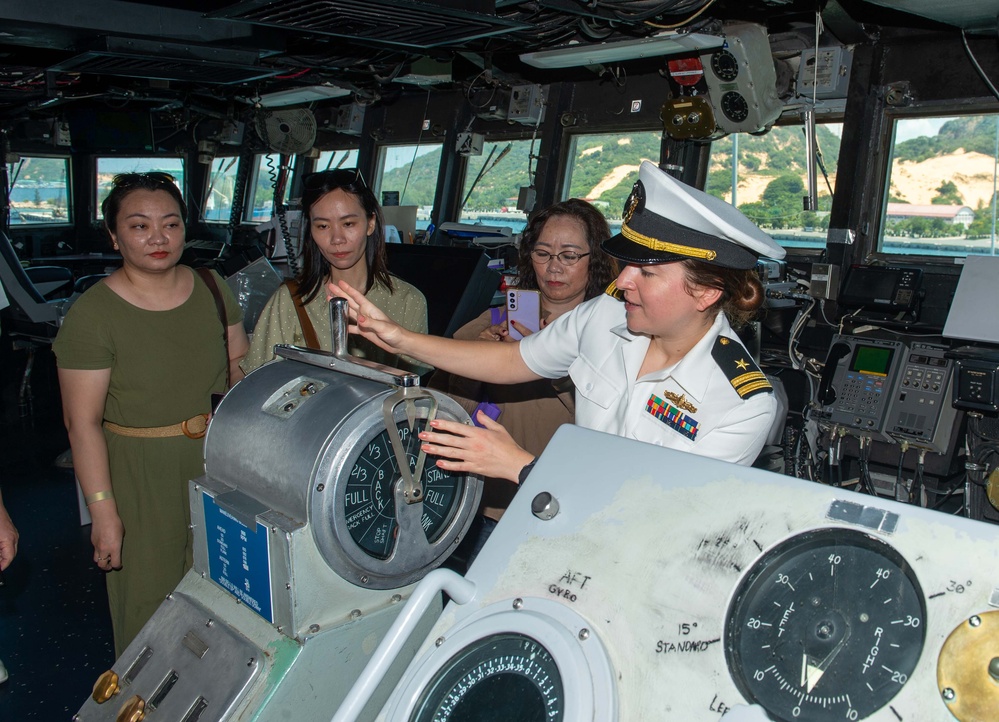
x=525, y=472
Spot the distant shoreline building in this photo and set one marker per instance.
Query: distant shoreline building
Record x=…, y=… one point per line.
x=957, y=215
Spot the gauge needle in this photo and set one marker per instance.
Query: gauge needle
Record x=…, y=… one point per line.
x=812, y=669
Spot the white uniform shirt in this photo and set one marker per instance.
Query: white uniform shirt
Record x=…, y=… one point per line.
x=699, y=410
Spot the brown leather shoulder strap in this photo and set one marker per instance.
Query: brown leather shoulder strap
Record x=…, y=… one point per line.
x=209, y=280
x=308, y=330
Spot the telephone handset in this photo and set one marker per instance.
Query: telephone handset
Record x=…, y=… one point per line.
x=827, y=394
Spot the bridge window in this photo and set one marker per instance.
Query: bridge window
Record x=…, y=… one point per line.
x=39, y=191
x=333, y=159
x=108, y=168
x=217, y=206
x=603, y=167
x=263, y=184
x=771, y=180
x=492, y=182
x=407, y=176
x=941, y=188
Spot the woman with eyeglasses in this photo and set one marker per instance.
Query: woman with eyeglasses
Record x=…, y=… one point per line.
x=344, y=240
x=560, y=257
x=140, y=355
x=658, y=361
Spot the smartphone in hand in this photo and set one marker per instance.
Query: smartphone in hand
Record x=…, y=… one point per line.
x=524, y=307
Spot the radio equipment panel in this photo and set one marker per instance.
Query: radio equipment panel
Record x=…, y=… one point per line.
x=857, y=381
x=887, y=289
x=921, y=411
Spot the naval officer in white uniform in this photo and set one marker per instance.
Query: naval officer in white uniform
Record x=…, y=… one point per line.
x=655, y=360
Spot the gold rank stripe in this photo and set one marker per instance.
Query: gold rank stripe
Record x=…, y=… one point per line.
x=746, y=378
x=664, y=247
x=750, y=388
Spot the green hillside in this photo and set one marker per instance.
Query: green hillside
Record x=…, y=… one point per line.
x=612, y=158
x=972, y=133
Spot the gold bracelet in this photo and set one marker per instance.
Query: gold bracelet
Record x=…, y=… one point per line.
x=98, y=496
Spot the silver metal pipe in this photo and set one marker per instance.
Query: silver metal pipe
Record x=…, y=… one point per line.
x=811, y=201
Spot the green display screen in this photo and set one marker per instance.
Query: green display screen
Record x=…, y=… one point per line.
x=874, y=360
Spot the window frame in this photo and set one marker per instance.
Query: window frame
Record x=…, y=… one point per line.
x=569, y=146
x=828, y=112
x=259, y=161
x=208, y=188
x=876, y=206
x=69, y=221
x=518, y=218
x=318, y=166
x=381, y=152
x=95, y=188
x=423, y=217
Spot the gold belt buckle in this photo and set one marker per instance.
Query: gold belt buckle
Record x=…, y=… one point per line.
x=201, y=420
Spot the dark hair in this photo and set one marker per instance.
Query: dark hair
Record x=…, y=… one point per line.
x=602, y=269
x=124, y=183
x=315, y=268
x=742, y=292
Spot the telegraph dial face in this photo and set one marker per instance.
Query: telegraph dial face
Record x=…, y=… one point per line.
x=369, y=503
x=383, y=514
x=829, y=625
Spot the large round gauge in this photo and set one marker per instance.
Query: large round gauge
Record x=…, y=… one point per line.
x=383, y=514
x=523, y=659
x=734, y=106
x=828, y=625
x=369, y=503
x=725, y=66
x=502, y=677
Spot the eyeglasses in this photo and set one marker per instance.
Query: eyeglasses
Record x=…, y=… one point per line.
x=338, y=178
x=566, y=258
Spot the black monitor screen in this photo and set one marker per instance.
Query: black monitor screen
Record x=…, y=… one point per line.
x=457, y=282
x=100, y=130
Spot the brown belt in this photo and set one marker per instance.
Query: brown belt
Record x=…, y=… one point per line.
x=193, y=428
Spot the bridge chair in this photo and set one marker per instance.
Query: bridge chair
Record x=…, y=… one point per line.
x=38, y=298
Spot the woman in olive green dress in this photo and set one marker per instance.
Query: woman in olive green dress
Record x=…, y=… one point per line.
x=139, y=357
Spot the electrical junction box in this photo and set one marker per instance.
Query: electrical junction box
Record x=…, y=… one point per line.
x=62, y=136
x=824, y=281
x=350, y=119
x=825, y=74
x=470, y=143
x=527, y=104
x=491, y=103
x=688, y=116
x=232, y=132
x=742, y=82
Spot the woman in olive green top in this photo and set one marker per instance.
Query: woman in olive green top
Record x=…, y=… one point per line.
x=344, y=240
x=139, y=357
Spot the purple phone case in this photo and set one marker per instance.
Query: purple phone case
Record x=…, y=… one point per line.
x=490, y=410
